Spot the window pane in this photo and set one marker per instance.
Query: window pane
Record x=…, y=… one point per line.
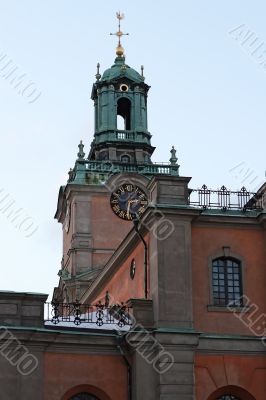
x=226, y=281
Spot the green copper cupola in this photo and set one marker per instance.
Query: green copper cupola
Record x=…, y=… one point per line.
x=120, y=103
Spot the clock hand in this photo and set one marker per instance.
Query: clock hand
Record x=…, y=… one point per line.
x=129, y=204
x=128, y=207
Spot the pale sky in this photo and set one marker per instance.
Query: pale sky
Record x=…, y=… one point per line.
x=207, y=98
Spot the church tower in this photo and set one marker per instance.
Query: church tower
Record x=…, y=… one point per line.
x=121, y=124
x=121, y=127
x=120, y=152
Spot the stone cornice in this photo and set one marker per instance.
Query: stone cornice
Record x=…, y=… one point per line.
x=67, y=341
x=234, y=220
x=207, y=217
x=230, y=344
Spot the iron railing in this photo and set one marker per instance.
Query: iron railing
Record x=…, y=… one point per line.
x=76, y=313
x=225, y=199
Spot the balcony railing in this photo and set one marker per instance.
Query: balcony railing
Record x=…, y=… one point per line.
x=76, y=314
x=122, y=135
x=225, y=199
x=106, y=167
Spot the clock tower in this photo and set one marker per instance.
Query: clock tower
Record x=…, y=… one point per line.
x=111, y=181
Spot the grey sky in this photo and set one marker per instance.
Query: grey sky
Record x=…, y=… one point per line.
x=207, y=98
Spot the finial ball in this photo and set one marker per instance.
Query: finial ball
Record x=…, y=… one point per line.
x=119, y=51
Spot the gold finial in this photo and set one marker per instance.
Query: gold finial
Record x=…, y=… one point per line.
x=119, y=34
x=98, y=75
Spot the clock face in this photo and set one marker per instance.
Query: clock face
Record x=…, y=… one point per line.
x=66, y=223
x=128, y=200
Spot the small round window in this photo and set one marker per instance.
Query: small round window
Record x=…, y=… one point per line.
x=123, y=87
x=132, y=269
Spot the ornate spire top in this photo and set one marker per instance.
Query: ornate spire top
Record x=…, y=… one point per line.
x=98, y=75
x=119, y=34
x=173, y=158
x=81, y=153
x=142, y=71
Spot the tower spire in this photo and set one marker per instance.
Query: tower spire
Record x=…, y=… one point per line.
x=119, y=34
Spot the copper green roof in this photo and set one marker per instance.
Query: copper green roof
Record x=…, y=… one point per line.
x=121, y=70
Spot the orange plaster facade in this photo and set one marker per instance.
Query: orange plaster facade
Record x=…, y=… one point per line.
x=65, y=375
x=247, y=244
x=115, y=229
x=243, y=376
x=121, y=286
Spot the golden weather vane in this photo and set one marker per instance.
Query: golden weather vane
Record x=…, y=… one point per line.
x=119, y=34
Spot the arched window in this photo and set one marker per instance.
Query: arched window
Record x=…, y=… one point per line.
x=231, y=393
x=124, y=111
x=125, y=158
x=85, y=392
x=83, y=396
x=228, y=397
x=227, y=283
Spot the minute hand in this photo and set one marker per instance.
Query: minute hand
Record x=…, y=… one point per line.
x=129, y=205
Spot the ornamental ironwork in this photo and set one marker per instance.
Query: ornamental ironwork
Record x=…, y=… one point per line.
x=225, y=199
x=99, y=314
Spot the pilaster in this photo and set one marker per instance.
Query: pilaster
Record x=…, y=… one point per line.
x=22, y=309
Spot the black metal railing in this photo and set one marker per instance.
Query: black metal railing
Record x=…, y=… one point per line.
x=225, y=199
x=76, y=313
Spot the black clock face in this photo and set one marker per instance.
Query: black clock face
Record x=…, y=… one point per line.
x=128, y=200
